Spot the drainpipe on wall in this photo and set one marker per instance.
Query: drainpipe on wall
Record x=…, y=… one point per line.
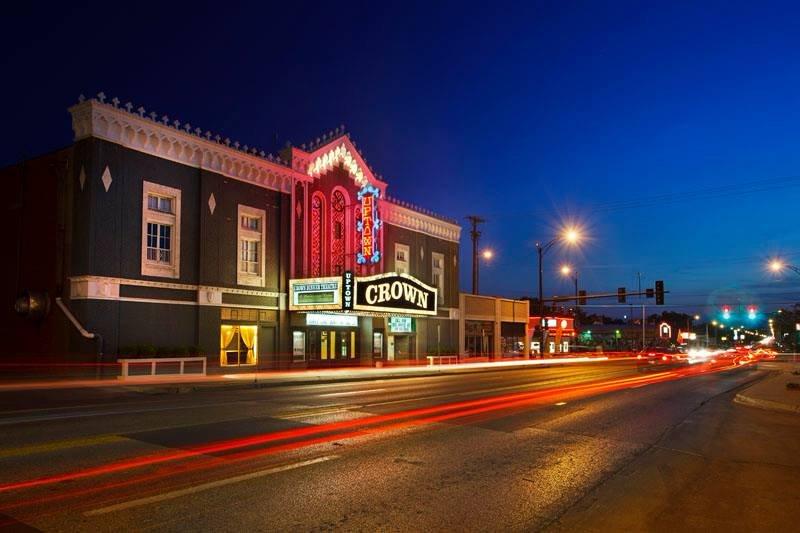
x=85, y=334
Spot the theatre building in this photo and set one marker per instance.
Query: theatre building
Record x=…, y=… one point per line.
x=148, y=237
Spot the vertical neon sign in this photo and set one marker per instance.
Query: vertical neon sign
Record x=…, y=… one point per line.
x=369, y=225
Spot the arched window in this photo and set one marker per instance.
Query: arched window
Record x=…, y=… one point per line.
x=317, y=218
x=338, y=232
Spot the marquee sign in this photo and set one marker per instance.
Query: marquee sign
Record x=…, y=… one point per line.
x=348, y=279
x=315, y=293
x=401, y=324
x=369, y=226
x=393, y=292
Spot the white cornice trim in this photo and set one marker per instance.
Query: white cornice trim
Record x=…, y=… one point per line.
x=404, y=217
x=92, y=118
x=111, y=282
x=325, y=157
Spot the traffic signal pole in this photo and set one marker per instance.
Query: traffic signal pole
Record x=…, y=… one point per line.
x=644, y=319
x=555, y=299
x=659, y=293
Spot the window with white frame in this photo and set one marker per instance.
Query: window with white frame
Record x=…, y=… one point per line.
x=437, y=271
x=251, y=246
x=161, y=230
x=401, y=258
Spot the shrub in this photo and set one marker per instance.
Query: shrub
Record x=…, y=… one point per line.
x=147, y=350
x=180, y=351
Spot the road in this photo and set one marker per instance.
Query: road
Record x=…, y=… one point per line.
x=593, y=447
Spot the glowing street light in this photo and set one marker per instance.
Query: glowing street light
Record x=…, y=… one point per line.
x=569, y=235
x=777, y=265
x=567, y=271
x=572, y=235
x=487, y=254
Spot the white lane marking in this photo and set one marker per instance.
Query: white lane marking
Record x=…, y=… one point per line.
x=88, y=414
x=351, y=393
x=534, y=386
x=312, y=413
x=205, y=486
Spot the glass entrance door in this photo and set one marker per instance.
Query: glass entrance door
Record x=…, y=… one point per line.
x=330, y=346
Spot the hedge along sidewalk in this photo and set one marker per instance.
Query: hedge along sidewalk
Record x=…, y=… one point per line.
x=772, y=392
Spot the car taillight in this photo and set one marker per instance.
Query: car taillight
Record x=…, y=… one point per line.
x=639, y=356
x=664, y=357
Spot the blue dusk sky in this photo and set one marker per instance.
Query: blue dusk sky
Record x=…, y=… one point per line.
x=669, y=131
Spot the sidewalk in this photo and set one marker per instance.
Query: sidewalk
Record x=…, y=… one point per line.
x=771, y=393
x=190, y=383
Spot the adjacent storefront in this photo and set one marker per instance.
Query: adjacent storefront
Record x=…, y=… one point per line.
x=493, y=328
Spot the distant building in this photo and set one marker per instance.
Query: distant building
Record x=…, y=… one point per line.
x=560, y=334
x=147, y=236
x=493, y=328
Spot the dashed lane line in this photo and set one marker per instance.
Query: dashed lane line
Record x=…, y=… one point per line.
x=60, y=445
x=206, y=486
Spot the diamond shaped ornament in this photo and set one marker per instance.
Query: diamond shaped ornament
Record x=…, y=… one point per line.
x=106, y=179
x=212, y=203
x=82, y=178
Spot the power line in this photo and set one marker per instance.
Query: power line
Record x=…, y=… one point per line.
x=721, y=191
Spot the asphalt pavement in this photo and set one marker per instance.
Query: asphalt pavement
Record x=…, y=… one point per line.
x=575, y=448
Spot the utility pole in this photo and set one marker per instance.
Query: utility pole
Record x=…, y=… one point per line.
x=475, y=234
x=644, y=318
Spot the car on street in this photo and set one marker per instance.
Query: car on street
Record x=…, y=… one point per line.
x=660, y=358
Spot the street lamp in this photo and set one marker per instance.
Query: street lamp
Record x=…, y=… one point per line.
x=487, y=254
x=777, y=265
x=567, y=271
x=570, y=236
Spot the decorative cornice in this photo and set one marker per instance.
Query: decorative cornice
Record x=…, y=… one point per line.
x=422, y=210
x=146, y=133
x=137, y=131
x=167, y=285
x=336, y=149
x=407, y=218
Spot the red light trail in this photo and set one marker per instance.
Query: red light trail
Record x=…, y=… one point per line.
x=313, y=435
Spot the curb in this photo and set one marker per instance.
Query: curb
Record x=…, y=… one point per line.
x=769, y=405
x=250, y=384
x=189, y=387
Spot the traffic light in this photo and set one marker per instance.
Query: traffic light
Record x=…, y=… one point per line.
x=726, y=312
x=659, y=292
x=621, y=295
x=751, y=313
x=649, y=293
x=581, y=297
